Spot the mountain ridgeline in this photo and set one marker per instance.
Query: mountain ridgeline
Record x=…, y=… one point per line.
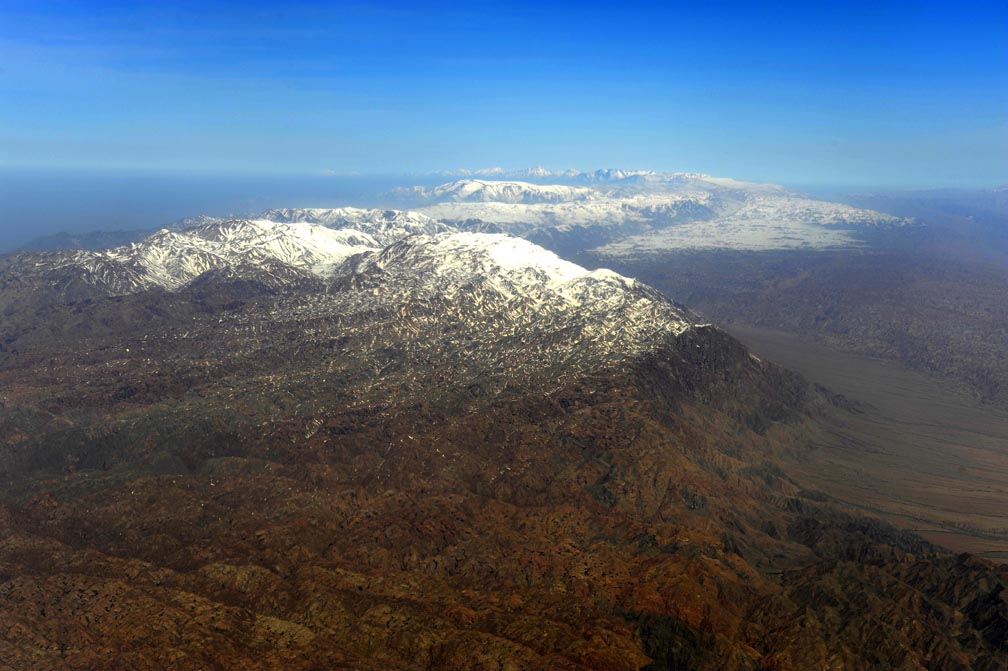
x=380, y=439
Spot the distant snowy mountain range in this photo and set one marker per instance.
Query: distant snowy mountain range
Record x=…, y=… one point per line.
x=540, y=174
x=629, y=213
x=614, y=216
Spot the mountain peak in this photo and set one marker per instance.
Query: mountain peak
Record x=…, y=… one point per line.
x=170, y=259
x=512, y=286
x=481, y=190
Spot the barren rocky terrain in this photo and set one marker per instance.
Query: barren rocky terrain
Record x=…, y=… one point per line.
x=241, y=475
x=944, y=315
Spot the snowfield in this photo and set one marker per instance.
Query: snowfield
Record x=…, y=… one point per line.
x=763, y=223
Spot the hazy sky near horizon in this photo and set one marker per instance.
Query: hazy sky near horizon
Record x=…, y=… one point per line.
x=893, y=94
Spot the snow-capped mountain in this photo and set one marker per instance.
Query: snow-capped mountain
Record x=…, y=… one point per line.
x=501, y=304
x=610, y=177
x=382, y=225
x=626, y=212
x=503, y=300
x=515, y=277
x=486, y=191
x=510, y=268
x=610, y=213
x=536, y=173
x=172, y=259
x=591, y=210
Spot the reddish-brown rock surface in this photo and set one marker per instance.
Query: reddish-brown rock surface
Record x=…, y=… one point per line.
x=262, y=499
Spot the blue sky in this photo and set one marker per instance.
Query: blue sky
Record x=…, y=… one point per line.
x=806, y=93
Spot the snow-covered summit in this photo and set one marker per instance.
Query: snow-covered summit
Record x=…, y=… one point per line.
x=499, y=173
x=505, y=300
x=498, y=305
x=476, y=254
x=383, y=225
x=171, y=259
x=508, y=276
x=508, y=271
x=514, y=267
x=481, y=190
x=610, y=177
